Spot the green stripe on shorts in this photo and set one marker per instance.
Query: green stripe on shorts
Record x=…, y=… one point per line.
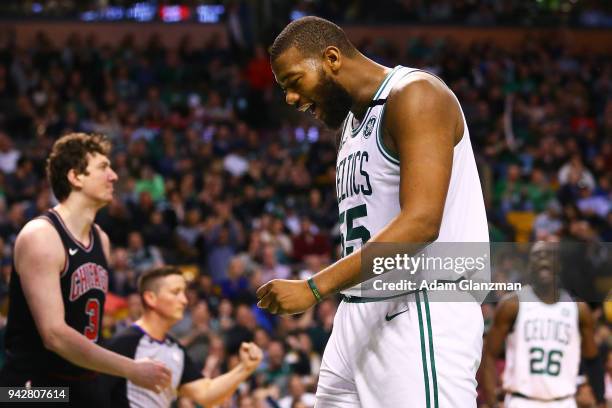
x=431, y=351
x=423, y=356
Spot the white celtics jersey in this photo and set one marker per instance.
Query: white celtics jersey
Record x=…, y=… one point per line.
x=543, y=350
x=368, y=181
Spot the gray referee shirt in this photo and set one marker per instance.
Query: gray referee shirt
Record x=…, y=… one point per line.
x=133, y=342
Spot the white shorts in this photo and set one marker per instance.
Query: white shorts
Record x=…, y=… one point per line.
x=406, y=352
x=511, y=401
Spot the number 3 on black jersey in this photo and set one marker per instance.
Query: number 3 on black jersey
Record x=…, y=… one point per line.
x=92, y=308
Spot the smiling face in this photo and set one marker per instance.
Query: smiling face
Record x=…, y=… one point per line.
x=310, y=87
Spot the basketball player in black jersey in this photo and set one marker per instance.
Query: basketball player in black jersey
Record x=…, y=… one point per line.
x=59, y=283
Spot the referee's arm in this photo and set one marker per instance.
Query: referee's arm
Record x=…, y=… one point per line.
x=208, y=392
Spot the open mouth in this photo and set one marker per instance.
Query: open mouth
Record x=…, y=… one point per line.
x=305, y=107
x=308, y=107
x=545, y=273
x=312, y=109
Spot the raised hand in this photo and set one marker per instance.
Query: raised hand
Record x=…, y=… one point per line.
x=250, y=356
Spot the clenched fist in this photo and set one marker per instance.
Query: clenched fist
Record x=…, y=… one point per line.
x=281, y=296
x=250, y=356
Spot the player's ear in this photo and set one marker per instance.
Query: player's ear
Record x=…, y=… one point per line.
x=332, y=57
x=74, y=178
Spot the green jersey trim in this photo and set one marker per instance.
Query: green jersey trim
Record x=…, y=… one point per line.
x=387, y=154
x=376, y=95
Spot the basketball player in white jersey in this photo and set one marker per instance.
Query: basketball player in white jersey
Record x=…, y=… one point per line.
x=546, y=333
x=405, y=174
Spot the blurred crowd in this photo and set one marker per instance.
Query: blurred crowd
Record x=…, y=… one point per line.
x=217, y=175
x=465, y=12
x=586, y=13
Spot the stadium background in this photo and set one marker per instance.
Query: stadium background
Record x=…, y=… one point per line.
x=216, y=174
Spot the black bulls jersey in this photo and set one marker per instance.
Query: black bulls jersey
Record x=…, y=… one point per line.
x=84, y=283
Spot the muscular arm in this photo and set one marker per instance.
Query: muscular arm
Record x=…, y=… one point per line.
x=504, y=318
x=422, y=121
x=39, y=260
x=593, y=364
x=585, y=321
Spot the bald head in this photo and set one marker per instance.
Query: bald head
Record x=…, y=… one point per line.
x=544, y=263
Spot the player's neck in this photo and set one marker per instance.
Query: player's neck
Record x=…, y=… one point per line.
x=547, y=295
x=78, y=218
x=366, y=76
x=154, y=325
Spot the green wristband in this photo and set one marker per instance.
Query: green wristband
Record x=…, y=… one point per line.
x=314, y=289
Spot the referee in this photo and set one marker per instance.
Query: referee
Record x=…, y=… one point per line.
x=163, y=296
